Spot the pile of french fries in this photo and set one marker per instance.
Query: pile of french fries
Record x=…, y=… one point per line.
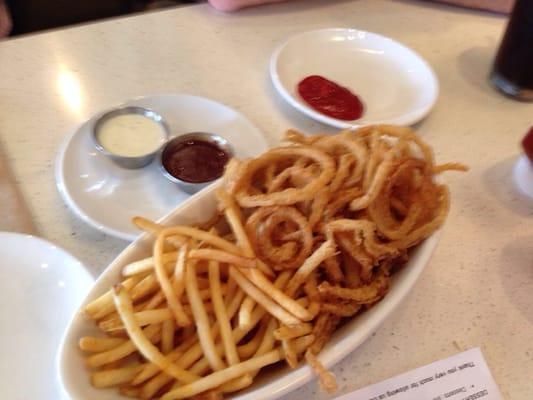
x=307, y=235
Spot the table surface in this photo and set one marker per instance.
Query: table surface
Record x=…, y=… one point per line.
x=477, y=289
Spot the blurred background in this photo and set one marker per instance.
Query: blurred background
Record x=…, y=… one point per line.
x=19, y=17
x=29, y=16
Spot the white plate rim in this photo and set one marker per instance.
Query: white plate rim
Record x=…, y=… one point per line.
x=523, y=176
x=337, y=123
x=65, y=193
x=59, y=163
x=81, y=272
x=329, y=357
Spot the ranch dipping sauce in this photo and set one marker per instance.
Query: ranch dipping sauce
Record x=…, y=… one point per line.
x=130, y=135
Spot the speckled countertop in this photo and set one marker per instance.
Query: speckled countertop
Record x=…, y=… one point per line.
x=478, y=288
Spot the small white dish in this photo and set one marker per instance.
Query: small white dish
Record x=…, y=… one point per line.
x=395, y=84
x=271, y=383
x=41, y=286
x=523, y=176
x=107, y=196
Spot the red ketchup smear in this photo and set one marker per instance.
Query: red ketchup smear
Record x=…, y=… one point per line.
x=527, y=144
x=329, y=98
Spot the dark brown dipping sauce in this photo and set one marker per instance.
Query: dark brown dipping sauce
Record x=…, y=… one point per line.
x=195, y=161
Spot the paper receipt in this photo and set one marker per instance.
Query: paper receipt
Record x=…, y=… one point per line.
x=464, y=376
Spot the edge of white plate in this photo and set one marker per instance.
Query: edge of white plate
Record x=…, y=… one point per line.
x=59, y=164
x=81, y=270
x=65, y=193
x=411, y=119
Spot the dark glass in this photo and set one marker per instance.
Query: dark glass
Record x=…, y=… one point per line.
x=513, y=68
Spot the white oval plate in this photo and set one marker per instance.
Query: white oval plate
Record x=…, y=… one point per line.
x=396, y=85
x=270, y=384
x=107, y=196
x=41, y=286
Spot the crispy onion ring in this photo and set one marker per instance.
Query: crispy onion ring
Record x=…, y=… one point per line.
x=381, y=210
x=346, y=162
x=289, y=196
x=380, y=177
x=355, y=148
x=401, y=132
x=260, y=227
x=425, y=230
x=359, y=239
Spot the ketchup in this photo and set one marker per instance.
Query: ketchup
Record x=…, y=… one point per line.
x=195, y=161
x=329, y=98
x=527, y=145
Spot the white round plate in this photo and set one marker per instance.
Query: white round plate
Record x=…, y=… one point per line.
x=40, y=287
x=107, y=196
x=394, y=83
x=523, y=176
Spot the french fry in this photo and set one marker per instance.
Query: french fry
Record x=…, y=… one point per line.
x=155, y=301
x=261, y=298
x=234, y=303
x=114, y=377
x=245, y=312
x=285, y=332
x=145, y=287
x=103, y=305
x=230, y=350
x=231, y=289
x=210, y=395
x=284, y=300
x=144, y=318
x=236, y=384
x=325, y=251
x=167, y=287
x=150, y=369
x=129, y=391
x=268, y=341
x=147, y=264
x=223, y=257
x=167, y=335
x=151, y=332
x=248, y=350
x=220, y=377
x=138, y=337
x=98, y=344
x=155, y=228
x=234, y=218
x=201, y=319
x=179, y=271
x=203, y=236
